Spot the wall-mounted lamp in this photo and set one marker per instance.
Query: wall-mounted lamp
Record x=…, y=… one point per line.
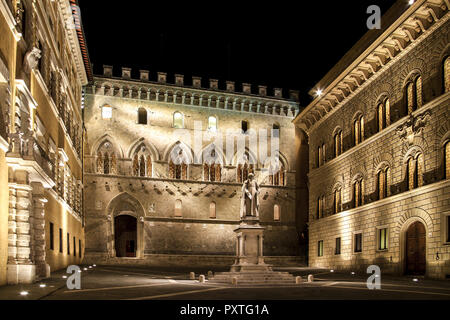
x=437, y=256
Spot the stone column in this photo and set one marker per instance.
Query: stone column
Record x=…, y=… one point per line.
x=20, y=266
x=38, y=228
x=241, y=246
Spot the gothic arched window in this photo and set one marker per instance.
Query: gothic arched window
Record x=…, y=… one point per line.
x=358, y=188
x=178, y=120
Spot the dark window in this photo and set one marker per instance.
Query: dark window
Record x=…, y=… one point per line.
x=244, y=126
x=52, y=237
x=68, y=244
x=142, y=116
x=320, y=249
x=60, y=240
x=358, y=242
x=338, y=246
x=382, y=239
x=79, y=248
x=448, y=228
x=74, y=247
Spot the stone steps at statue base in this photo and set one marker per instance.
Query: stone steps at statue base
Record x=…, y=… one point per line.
x=254, y=278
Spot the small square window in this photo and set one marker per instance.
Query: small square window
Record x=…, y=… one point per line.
x=338, y=246
x=106, y=112
x=320, y=249
x=358, y=242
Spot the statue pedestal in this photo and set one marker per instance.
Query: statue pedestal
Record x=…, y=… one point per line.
x=249, y=267
x=249, y=247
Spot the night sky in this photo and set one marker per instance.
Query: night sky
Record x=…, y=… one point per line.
x=269, y=43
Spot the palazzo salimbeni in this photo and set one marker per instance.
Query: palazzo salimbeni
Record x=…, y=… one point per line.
x=87, y=173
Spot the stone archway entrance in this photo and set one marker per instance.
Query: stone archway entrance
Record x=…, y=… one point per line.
x=125, y=236
x=416, y=249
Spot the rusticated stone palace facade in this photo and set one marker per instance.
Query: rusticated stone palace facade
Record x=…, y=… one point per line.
x=379, y=137
x=142, y=205
x=43, y=67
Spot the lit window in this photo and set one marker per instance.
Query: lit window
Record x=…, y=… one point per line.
x=382, y=239
x=276, y=131
x=212, y=210
x=178, y=208
x=320, y=249
x=358, y=127
x=446, y=74
x=337, y=201
x=178, y=120
x=338, y=144
x=212, y=124
x=106, y=112
x=276, y=213
x=447, y=160
x=414, y=99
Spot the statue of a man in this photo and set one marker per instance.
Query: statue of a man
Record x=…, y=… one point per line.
x=250, y=198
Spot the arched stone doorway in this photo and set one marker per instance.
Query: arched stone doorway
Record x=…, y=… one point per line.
x=125, y=236
x=126, y=227
x=415, y=251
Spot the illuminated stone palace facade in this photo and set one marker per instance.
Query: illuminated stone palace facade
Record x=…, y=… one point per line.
x=42, y=71
x=143, y=206
x=379, y=132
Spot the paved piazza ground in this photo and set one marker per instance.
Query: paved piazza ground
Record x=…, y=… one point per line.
x=138, y=283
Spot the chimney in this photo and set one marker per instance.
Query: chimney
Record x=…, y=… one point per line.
x=144, y=75
x=246, y=88
x=294, y=95
x=179, y=80
x=262, y=90
x=213, y=84
x=197, y=82
x=126, y=73
x=230, y=86
x=162, y=77
x=107, y=71
x=277, y=92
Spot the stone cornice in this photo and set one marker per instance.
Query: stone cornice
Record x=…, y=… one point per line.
x=424, y=16
x=140, y=91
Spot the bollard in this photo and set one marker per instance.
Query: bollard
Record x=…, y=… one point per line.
x=201, y=279
x=210, y=274
x=310, y=278
x=298, y=280
x=192, y=276
x=234, y=281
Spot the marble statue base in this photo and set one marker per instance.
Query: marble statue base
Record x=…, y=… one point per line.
x=249, y=266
